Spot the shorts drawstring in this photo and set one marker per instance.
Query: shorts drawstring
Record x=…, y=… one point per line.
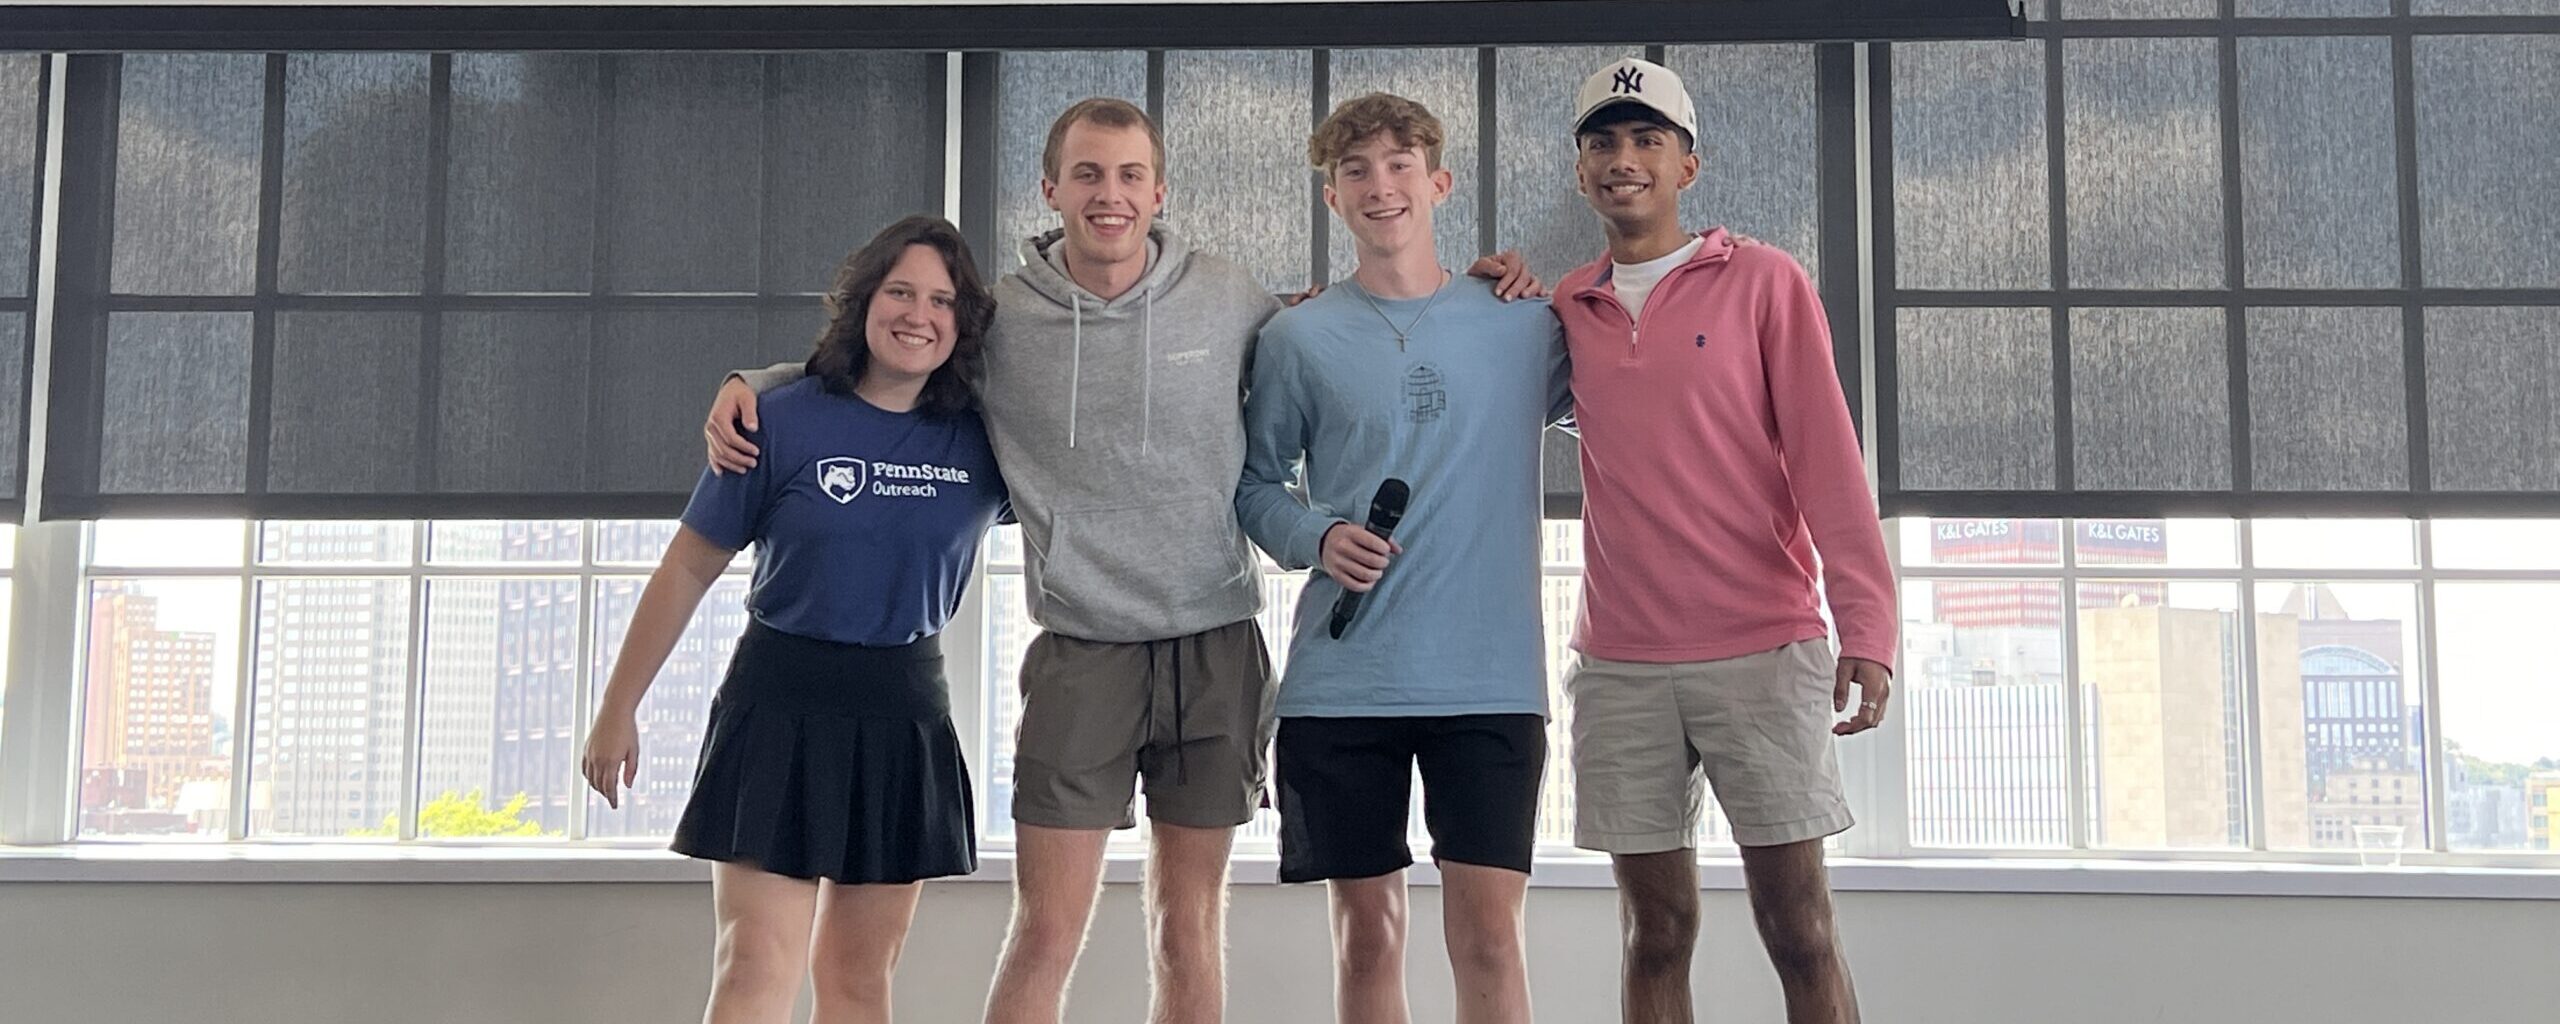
x=1181, y=757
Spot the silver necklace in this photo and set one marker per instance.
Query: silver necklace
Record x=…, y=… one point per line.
x=1406, y=330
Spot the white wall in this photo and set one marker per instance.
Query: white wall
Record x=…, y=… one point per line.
x=636, y=954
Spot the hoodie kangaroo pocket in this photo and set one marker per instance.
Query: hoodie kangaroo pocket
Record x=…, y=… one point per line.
x=1155, y=558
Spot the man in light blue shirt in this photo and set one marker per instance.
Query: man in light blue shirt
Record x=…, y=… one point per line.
x=1407, y=372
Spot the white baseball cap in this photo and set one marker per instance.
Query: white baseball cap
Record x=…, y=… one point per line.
x=1636, y=81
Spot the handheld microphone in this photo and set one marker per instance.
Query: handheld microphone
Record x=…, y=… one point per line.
x=1385, y=511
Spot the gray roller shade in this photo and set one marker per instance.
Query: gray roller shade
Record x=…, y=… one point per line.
x=439, y=285
x=22, y=103
x=2220, y=268
x=1250, y=195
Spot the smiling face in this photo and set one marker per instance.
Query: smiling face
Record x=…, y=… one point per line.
x=912, y=323
x=1107, y=191
x=1386, y=193
x=1633, y=170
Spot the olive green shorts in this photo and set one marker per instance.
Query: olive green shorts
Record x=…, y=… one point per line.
x=1190, y=716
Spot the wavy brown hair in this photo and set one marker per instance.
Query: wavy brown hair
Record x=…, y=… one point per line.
x=1410, y=124
x=843, y=350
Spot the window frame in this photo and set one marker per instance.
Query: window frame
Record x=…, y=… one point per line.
x=954, y=26
x=1877, y=854
x=2248, y=575
x=1877, y=773
x=417, y=574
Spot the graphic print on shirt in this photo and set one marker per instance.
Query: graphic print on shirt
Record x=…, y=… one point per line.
x=846, y=477
x=842, y=477
x=1426, y=393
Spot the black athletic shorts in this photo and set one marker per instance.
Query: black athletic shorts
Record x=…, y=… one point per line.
x=1346, y=790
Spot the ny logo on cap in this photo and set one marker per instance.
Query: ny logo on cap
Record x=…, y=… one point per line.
x=1628, y=80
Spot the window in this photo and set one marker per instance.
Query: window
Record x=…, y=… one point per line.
x=2501, y=728
x=2123, y=655
x=2096, y=395
x=2323, y=290
x=347, y=719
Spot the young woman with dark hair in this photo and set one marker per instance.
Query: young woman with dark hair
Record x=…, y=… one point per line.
x=831, y=782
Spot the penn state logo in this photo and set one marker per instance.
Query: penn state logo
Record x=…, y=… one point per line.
x=842, y=478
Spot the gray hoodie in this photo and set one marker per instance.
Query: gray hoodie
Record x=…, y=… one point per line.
x=1118, y=427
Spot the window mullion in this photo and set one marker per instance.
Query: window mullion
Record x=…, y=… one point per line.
x=2439, y=765
x=2253, y=723
x=1877, y=768
x=39, y=742
x=964, y=645
x=582, y=696
x=2075, y=767
x=413, y=710
x=244, y=690
x=40, y=736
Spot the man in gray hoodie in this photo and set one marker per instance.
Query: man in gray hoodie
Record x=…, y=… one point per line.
x=1114, y=376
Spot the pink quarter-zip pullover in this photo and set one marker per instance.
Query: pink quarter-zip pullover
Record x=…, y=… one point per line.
x=1717, y=455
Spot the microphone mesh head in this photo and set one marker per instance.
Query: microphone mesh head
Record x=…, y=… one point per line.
x=1387, y=509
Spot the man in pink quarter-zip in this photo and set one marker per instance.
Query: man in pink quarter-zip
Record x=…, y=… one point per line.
x=1717, y=456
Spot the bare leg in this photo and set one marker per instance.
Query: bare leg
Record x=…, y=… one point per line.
x=1658, y=919
x=1481, y=914
x=861, y=929
x=1369, y=917
x=1187, y=922
x=1791, y=902
x=762, y=945
x=1056, y=874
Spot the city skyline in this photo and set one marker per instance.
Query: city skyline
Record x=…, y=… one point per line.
x=2357, y=760
x=329, y=683
x=151, y=737
x=354, y=636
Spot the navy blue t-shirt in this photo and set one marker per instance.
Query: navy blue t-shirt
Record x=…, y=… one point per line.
x=865, y=521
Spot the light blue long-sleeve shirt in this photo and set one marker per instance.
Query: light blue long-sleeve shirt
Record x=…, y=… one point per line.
x=1454, y=627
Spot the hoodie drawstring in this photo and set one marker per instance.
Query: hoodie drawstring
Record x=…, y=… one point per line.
x=1181, y=759
x=1147, y=384
x=1075, y=375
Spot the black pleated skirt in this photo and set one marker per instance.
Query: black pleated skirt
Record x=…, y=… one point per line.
x=834, y=761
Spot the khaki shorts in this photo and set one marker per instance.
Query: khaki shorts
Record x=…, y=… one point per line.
x=1757, y=728
x=1192, y=716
